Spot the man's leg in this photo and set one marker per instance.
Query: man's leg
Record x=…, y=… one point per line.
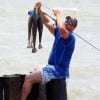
x=40, y=30
x=34, y=33
x=32, y=78
x=29, y=31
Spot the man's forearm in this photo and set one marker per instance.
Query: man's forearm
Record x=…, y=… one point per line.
x=46, y=21
x=44, y=17
x=59, y=20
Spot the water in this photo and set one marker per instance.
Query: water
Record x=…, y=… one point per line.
x=85, y=65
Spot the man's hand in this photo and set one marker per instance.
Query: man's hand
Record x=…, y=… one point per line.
x=56, y=12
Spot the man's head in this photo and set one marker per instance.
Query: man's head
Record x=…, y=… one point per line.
x=70, y=23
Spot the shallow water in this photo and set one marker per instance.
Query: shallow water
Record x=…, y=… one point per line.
x=85, y=65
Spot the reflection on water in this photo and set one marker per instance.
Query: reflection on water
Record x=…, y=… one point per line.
x=16, y=58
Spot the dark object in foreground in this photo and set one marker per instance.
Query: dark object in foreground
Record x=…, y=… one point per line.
x=56, y=89
x=11, y=85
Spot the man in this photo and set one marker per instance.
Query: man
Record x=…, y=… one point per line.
x=34, y=23
x=60, y=56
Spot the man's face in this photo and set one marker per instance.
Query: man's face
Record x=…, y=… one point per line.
x=69, y=23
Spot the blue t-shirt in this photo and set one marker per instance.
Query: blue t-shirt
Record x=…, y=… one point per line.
x=61, y=53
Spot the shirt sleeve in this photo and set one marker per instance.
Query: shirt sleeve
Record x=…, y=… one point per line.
x=56, y=31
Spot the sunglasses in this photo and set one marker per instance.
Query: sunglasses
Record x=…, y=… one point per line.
x=69, y=22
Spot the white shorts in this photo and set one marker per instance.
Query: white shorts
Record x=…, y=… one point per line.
x=48, y=73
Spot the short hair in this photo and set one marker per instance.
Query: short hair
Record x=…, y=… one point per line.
x=74, y=20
